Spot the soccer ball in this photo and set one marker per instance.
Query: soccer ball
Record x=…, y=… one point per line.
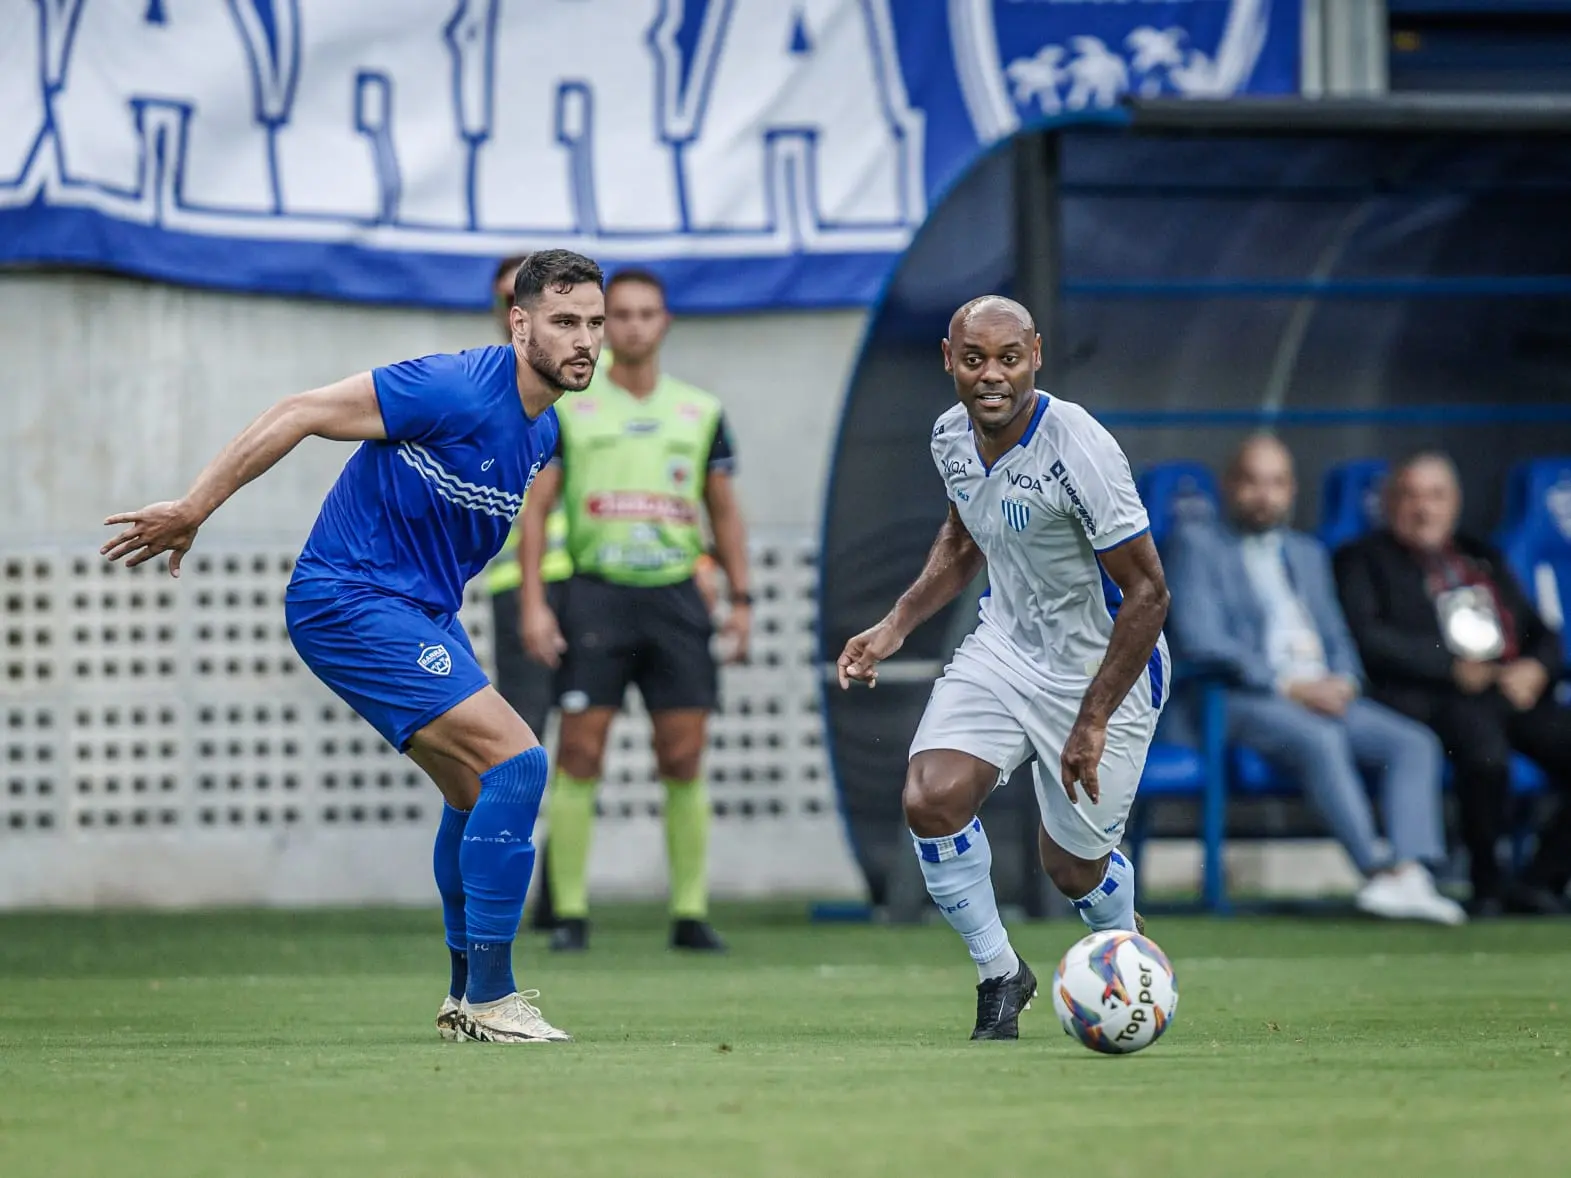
x=1115, y=992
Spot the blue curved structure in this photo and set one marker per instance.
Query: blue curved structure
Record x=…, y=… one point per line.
x=1359, y=293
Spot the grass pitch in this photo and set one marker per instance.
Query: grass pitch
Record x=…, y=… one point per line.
x=288, y=1044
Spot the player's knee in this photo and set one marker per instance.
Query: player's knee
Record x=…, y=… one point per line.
x=1071, y=875
x=679, y=745
x=580, y=754
x=1074, y=877
x=680, y=762
x=934, y=806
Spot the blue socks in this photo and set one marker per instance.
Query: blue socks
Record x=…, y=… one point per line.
x=959, y=873
x=496, y=861
x=450, y=883
x=1111, y=904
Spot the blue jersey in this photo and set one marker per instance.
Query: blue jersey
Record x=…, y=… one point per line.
x=419, y=514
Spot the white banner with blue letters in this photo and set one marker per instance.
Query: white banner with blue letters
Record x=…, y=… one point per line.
x=757, y=153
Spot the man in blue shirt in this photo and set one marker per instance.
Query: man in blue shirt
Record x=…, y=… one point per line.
x=449, y=446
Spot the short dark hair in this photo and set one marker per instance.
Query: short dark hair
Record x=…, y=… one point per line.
x=506, y=266
x=558, y=270
x=636, y=274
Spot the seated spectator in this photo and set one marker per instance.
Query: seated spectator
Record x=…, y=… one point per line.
x=1256, y=600
x=1450, y=639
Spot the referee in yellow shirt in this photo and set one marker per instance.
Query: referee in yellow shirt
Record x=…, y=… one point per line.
x=643, y=458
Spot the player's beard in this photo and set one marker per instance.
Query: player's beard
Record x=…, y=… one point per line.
x=551, y=371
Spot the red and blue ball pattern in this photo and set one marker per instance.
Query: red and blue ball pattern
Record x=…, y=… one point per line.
x=1097, y=1025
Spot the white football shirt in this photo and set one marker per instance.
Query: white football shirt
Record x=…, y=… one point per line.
x=1041, y=515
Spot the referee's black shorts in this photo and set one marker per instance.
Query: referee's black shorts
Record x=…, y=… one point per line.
x=656, y=637
x=529, y=686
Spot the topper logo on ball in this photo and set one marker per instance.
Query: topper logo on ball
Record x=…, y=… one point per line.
x=1137, y=1015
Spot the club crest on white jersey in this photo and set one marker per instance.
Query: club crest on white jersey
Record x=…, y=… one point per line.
x=1017, y=513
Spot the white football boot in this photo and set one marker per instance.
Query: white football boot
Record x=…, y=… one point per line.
x=447, y=1024
x=513, y=1019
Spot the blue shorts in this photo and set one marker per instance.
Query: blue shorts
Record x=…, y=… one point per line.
x=398, y=665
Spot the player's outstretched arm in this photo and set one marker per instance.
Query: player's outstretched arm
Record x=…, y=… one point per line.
x=952, y=563
x=344, y=411
x=1137, y=570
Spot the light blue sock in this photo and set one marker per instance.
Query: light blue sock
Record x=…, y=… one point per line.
x=1111, y=904
x=497, y=860
x=450, y=885
x=959, y=873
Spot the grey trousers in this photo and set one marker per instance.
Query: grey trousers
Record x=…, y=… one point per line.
x=1323, y=755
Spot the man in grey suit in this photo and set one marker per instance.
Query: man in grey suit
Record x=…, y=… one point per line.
x=1256, y=600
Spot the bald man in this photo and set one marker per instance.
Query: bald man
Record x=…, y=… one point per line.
x=1451, y=639
x=1257, y=599
x=1067, y=668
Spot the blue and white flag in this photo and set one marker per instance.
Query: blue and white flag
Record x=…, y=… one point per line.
x=757, y=153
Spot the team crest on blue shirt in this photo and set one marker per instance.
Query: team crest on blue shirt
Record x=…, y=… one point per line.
x=436, y=659
x=1017, y=513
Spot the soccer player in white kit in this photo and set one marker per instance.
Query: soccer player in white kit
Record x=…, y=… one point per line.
x=1068, y=661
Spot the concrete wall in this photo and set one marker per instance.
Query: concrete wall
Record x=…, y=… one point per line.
x=116, y=391
x=128, y=778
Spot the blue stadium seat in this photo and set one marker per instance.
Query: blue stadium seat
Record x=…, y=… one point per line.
x=1178, y=771
x=1350, y=500
x=1536, y=541
x=1172, y=770
x=1172, y=493
x=1177, y=491
x=1536, y=535
x=1527, y=779
x=1252, y=774
x=1528, y=482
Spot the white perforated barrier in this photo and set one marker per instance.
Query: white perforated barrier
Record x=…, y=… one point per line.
x=165, y=746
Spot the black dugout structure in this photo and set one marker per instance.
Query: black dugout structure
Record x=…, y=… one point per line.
x=1363, y=277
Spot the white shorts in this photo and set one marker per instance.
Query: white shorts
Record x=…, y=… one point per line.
x=979, y=709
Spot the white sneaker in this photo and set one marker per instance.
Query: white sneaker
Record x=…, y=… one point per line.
x=447, y=1024
x=508, y=1020
x=1408, y=894
x=1383, y=895
x=1428, y=902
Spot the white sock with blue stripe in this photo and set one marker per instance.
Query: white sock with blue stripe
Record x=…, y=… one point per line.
x=1111, y=904
x=959, y=873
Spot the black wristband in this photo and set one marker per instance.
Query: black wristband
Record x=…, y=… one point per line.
x=741, y=599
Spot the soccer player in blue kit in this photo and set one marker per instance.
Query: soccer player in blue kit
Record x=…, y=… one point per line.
x=449, y=446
